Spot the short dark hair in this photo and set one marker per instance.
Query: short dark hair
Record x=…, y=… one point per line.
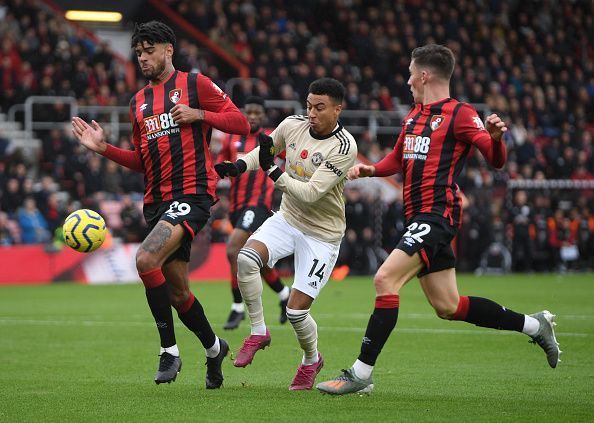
x=330, y=87
x=255, y=100
x=153, y=32
x=438, y=58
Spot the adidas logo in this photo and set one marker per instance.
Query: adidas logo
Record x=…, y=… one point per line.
x=313, y=284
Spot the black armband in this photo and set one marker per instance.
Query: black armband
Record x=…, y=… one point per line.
x=274, y=172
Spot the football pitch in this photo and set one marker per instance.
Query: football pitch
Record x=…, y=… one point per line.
x=88, y=353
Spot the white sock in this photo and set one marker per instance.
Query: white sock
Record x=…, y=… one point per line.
x=362, y=370
x=215, y=349
x=531, y=326
x=173, y=350
x=250, y=284
x=238, y=307
x=306, y=330
x=284, y=294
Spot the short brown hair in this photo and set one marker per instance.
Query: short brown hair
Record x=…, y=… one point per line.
x=438, y=58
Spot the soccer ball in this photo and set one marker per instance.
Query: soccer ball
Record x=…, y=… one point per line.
x=84, y=230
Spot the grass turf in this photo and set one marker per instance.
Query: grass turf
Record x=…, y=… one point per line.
x=89, y=353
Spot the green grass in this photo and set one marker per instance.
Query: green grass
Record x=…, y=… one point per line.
x=88, y=353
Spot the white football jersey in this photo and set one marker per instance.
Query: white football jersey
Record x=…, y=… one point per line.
x=314, y=178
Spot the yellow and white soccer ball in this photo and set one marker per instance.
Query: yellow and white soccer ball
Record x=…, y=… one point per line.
x=84, y=230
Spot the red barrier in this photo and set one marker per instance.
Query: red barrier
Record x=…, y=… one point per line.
x=34, y=265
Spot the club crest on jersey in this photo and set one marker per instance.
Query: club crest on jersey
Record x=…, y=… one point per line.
x=175, y=95
x=304, y=154
x=436, y=121
x=317, y=159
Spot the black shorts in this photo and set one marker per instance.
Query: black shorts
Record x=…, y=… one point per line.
x=250, y=218
x=431, y=237
x=192, y=212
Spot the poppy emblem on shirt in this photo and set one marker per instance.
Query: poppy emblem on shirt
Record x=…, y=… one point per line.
x=304, y=154
x=175, y=95
x=436, y=121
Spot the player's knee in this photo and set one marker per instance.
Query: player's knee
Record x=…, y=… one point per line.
x=146, y=261
x=385, y=284
x=232, y=252
x=178, y=296
x=248, y=263
x=444, y=310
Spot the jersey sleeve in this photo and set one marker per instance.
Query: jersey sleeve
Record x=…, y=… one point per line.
x=225, y=152
x=219, y=110
x=330, y=172
x=469, y=128
x=252, y=159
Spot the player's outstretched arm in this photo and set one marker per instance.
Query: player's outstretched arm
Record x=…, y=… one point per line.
x=360, y=171
x=91, y=136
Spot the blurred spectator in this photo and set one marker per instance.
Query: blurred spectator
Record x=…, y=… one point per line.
x=133, y=227
x=34, y=228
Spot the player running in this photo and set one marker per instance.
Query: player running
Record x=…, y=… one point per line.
x=310, y=224
x=430, y=152
x=172, y=119
x=250, y=199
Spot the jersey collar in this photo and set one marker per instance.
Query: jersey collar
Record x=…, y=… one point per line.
x=337, y=128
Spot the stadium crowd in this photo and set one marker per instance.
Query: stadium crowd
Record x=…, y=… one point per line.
x=532, y=62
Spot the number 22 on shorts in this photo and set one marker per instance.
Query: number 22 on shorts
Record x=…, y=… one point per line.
x=417, y=232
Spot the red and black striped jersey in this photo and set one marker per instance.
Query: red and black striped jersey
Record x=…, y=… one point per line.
x=431, y=151
x=175, y=158
x=252, y=188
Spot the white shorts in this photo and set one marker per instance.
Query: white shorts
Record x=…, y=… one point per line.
x=314, y=259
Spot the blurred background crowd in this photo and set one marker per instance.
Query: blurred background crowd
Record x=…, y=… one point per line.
x=530, y=61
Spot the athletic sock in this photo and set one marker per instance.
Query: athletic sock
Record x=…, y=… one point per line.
x=157, y=296
x=381, y=323
x=248, y=276
x=192, y=315
x=215, y=349
x=273, y=280
x=235, y=290
x=284, y=294
x=531, y=326
x=362, y=370
x=306, y=331
x=488, y=314
x=173, y=350
x=238, y=307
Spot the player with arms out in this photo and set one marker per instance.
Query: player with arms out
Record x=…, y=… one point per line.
x=436, y=137
x=250, y=200
x=310, y=223
x=172, y=119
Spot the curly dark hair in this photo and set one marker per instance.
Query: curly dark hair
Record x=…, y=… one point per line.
x=330, y=87
x=152, y=32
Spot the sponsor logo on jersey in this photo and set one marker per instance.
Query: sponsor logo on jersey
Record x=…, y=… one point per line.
x=334, y=169
x=175, y=95
x=416, y=147
x=160, y=125
x=292, y=146
x=436, y=121
x=317, y=159
x=300, y=171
